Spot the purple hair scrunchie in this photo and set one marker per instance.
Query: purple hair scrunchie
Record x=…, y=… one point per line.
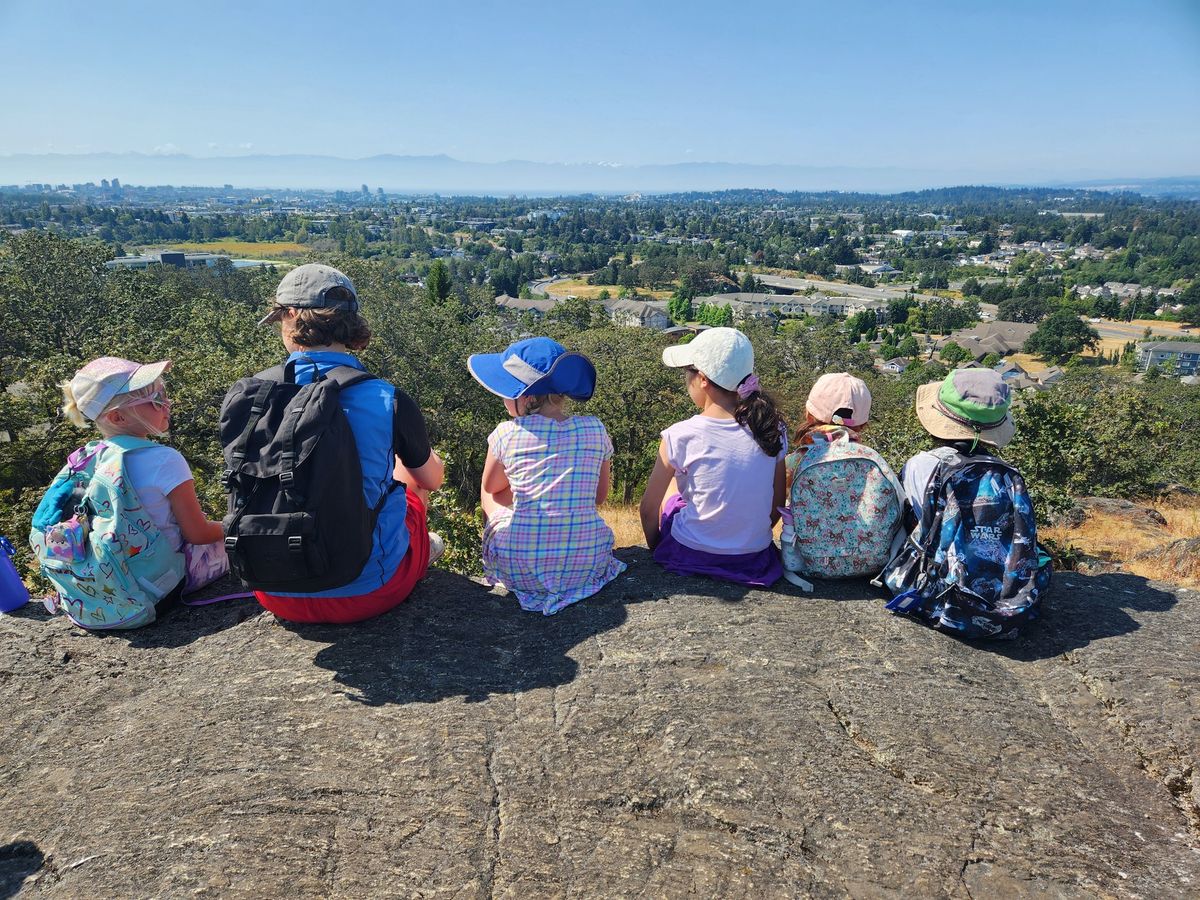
x=748, y=386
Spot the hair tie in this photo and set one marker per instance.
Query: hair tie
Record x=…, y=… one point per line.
x=748, y=386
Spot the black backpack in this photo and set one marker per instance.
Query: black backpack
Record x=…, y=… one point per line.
x=297, y=521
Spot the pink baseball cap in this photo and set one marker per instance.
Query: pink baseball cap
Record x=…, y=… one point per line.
x=103, y=380
x=840, y=391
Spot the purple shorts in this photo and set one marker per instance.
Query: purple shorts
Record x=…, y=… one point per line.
x=761, y=569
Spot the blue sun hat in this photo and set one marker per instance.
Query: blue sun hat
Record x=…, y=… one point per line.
x=534, y=367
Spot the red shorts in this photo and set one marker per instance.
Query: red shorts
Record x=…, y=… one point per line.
x=339, y=610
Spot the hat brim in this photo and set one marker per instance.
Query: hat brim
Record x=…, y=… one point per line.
x=678, y=355
x=274, y=315
x=941, y=426
x=146, y=375
x=572, y=374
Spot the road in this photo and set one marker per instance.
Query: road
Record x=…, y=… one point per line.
x=544, y=287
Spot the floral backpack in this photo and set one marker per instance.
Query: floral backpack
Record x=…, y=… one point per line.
x=96, y=543
x=845, y=506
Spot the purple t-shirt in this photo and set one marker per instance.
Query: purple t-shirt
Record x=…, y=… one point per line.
x=728, y=483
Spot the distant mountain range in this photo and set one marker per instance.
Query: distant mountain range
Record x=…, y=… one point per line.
x=443, y=174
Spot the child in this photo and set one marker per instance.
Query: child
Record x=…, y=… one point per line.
x=546, y=472
x=151, y=483
x=844, y=501
x=721, y=471
x=971, y=565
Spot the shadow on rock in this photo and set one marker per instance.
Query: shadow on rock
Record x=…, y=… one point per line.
x=455, y=638
x=1086, y=608
x=179, y=624
x=18, y=860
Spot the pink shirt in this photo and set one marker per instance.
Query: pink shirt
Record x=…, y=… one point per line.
x=728, y=483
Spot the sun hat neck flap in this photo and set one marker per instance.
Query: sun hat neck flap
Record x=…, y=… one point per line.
x=534, y=367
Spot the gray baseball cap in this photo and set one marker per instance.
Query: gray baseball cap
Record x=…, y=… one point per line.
x=309, y=287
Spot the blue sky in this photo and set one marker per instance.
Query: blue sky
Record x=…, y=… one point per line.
x=1076, y=88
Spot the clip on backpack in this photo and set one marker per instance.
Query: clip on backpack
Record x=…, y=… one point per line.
x=297, y=520
x=94, y=541
x=972, y=566
x=844, y=508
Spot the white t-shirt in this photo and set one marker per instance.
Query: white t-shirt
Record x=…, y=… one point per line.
x=918, y=471
x=154, y=472
x=728, y=483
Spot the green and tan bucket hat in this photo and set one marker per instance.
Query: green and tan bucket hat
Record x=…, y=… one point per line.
x=970, y=404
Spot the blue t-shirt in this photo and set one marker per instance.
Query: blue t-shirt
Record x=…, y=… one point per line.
x=386, y=424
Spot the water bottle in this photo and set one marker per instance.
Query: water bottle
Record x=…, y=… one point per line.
x=13, y=594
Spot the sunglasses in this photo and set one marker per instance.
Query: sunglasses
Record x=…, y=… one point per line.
x=159, y=400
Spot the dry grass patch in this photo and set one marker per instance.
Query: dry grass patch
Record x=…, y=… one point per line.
x=243, y=249
x=1113, y=538
x=625, y=523
x=580, y=288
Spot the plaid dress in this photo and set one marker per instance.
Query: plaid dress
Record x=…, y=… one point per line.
x=552, y=548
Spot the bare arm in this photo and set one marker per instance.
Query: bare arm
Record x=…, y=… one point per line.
x=650, y=509
x=427, y=477
x=194, y=525
x=780, y=496
x=495, y=479
x=604, y=483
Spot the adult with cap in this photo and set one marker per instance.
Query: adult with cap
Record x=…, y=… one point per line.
x=545, y=474
x=317, y=308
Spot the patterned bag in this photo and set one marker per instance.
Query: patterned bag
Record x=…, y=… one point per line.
x=92, y=538
x=972, y=566
x=845, y=505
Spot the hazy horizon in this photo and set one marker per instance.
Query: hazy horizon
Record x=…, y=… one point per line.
x=1026, y=92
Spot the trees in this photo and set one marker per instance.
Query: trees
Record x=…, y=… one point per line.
x=437, y=282
x=749, y=283
x=1060, y=335
x=1023, y=309
x=954, y=354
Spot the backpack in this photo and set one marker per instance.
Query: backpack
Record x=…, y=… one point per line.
x=845, y=507
x=297, y=522
x=972, y=566
x=107, y=559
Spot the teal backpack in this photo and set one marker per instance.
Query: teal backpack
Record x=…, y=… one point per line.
x=94, y=540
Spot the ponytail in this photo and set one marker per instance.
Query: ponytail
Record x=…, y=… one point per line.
x=70, y=407
x=756, y=411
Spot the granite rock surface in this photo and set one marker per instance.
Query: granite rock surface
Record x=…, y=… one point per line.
x=668, y=737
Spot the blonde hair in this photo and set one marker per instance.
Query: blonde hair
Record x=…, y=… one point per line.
x=534, y=404
x=73, y=414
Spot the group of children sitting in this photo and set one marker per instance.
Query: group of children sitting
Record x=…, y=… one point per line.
x=953, y=538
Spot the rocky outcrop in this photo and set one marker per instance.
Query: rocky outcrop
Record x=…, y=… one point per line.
x=669, y=736
x=1143, y=518
x=1179, y=559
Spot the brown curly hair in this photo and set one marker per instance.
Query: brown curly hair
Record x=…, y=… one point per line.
x=321, y=327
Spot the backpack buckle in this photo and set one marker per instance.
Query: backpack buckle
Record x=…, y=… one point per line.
x=227, y=479
x=230, y=544
x=287, y=477
x=296, y=543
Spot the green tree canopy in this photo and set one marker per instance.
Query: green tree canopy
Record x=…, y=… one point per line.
x=1061, y=335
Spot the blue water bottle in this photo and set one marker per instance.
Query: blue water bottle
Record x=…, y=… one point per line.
x=13, y=594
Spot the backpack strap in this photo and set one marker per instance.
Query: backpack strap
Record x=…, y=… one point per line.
x=237, y=450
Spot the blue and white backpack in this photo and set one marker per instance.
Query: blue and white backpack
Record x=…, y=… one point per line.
x=972, y=566
x=844, y=509
x=96, y=543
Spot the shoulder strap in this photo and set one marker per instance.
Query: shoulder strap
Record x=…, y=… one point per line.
x=258, y=407
x=348, y=376
x=126, y=442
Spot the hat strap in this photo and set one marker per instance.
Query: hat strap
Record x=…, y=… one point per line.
x=959, y=420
